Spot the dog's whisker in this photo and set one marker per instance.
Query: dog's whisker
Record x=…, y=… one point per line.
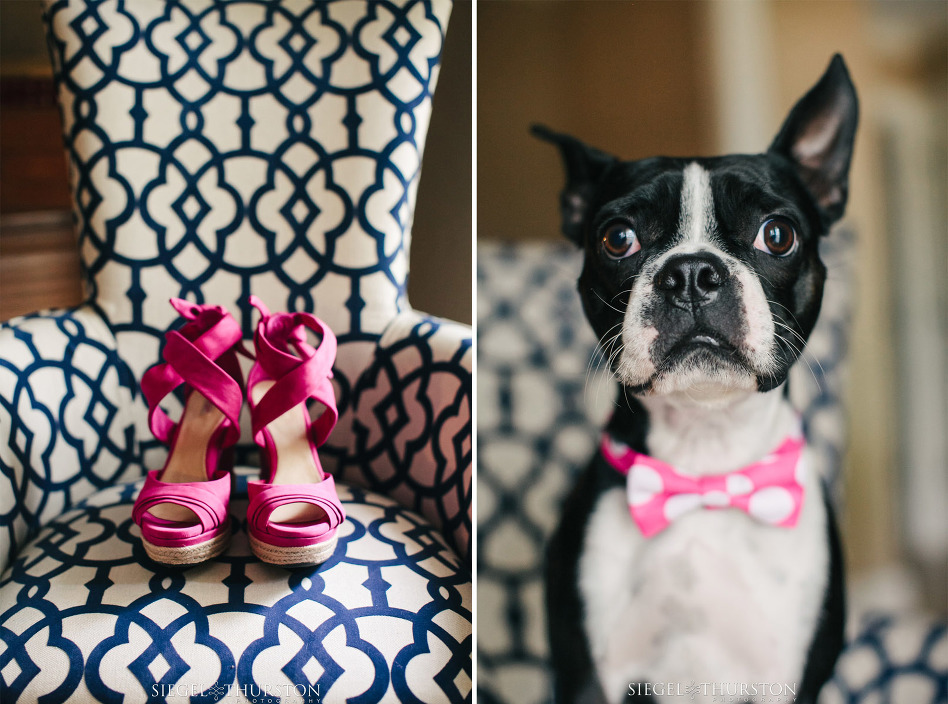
x=789, y=312
x=803, y=358
x=605, y=355
x=802, y=351
x=606, y=302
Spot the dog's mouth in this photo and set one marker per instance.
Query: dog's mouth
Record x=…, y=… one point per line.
x=701, y=346
x=702, y=363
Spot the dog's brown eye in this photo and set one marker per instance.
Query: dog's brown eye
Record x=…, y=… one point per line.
x=620, y=241
x=777, y=237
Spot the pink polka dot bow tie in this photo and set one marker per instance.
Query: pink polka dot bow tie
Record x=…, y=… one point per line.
x=770, y=490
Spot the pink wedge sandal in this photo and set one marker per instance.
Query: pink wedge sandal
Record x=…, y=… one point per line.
x=182, y=508
x=294, y=511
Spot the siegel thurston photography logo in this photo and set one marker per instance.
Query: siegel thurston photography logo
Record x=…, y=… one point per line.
x=723, y=692
x=284, y=693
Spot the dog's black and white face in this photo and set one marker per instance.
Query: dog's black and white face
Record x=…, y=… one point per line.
x=702, y=276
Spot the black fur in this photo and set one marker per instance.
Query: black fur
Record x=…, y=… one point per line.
x=573, y=675
x=802, y=178
x=828, y=639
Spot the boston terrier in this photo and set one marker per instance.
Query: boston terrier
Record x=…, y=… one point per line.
x=697, y=556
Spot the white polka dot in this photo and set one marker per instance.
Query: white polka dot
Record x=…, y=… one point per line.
x=771, y=505
x=617, y=448
x=738, y=484
x=644, y=483
x=799, y=472
x=715, y=498
x=681, y=504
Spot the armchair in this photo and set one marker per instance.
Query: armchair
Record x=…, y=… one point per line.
x=219, y=149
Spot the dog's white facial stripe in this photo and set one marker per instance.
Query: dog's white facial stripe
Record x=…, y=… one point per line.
x=697, y=205
x=696, y=223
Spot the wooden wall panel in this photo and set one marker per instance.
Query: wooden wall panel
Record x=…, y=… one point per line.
x=629, y=78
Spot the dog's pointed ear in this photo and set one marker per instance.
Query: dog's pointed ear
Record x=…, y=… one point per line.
x=584, y=169
x=818, y=138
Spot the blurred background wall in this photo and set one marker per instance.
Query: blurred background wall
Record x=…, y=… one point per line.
x=39, y=264
x=698, y=78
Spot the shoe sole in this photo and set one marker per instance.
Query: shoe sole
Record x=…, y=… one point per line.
x=299, y=556
x=191, y=554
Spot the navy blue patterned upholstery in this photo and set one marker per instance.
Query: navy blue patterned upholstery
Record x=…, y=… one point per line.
x=413, y=407
x=88, y=617
x=898, y=659
x=65, y=432
x=543, y=391
x=217, y=149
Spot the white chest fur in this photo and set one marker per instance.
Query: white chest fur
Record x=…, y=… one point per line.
x=716, y=598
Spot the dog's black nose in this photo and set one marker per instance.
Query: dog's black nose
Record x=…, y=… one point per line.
x=693, y=279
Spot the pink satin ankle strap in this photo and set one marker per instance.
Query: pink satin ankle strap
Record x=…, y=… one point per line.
x=297, y=378
x=192, y=354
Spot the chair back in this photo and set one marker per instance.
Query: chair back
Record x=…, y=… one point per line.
x=222, y=149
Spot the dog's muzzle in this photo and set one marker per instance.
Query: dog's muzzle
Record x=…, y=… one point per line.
x=696, y=305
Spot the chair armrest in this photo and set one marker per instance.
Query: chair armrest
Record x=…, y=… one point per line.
x=65, y=429
x=412, y=422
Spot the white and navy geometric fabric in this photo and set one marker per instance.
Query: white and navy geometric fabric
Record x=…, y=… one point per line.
x=412, y=409
x=899, y=659
x=541, y=397
x=219, y=149
x=88, y=617
x=543, y=394
x=65, y=430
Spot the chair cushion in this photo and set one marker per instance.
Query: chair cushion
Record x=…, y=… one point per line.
x=88, y=617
